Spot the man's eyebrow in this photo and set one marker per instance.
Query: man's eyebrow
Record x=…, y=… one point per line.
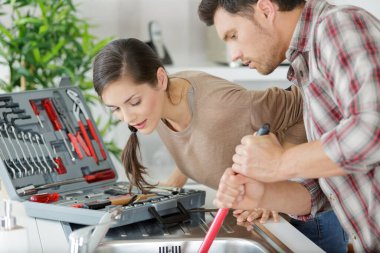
x=126, y=101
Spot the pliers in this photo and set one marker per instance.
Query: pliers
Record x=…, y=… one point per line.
x=78, y=108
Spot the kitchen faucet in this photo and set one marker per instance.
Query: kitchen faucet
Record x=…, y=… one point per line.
x=86, y=239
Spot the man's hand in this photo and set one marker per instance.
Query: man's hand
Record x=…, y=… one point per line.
x=259, y=157
x=239, y=192
x=246, y=218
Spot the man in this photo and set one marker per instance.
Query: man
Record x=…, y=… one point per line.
x=335, y=59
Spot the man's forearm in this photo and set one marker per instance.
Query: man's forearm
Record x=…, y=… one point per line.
x=307, y=161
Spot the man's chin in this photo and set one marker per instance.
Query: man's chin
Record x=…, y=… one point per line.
x=265, y=71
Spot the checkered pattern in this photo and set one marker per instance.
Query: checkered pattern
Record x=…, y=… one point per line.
x=335, y=60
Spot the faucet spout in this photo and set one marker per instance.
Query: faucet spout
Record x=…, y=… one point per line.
x=86, y=239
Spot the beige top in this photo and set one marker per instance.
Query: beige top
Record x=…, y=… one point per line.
x=222, y=113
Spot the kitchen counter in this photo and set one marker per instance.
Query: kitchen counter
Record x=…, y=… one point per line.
x=249, y=78
x=241, y=73
x=38, y=235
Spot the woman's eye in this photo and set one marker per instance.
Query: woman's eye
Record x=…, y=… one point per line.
x=114, y=109
x=134, y=103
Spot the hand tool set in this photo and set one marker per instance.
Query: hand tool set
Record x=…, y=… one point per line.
x=53, y=159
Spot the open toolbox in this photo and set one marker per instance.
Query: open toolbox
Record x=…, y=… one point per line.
x=53, y=159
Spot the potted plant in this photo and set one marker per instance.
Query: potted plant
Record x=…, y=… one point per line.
x=45, y=41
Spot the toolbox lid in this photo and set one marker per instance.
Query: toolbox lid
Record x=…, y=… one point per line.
x=38, y=131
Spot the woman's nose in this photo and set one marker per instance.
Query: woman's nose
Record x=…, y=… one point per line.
x=127, y=117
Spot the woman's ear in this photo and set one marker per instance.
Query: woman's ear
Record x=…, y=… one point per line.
x=162, y=78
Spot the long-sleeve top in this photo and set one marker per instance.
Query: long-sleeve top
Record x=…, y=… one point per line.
x=335, y=60
x=223, y=113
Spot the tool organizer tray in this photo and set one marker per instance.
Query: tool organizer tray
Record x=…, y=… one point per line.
x=53, y=159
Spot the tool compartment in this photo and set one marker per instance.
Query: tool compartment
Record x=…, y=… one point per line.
x=53, y=159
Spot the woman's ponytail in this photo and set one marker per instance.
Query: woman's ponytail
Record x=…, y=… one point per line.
x=134, y=169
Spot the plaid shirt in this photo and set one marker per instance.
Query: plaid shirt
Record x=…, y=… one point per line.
x=335, y=60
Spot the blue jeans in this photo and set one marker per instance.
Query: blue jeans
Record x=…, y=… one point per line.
x=325, y=231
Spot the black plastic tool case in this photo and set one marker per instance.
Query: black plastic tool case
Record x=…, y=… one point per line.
x=35, y=152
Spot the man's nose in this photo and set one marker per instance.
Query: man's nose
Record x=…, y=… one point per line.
x=236, y=54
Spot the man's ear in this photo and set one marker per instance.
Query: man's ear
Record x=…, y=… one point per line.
x=162, y=78
x=267, y=8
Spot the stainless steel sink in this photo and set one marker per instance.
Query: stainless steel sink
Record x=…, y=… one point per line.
x=221, y=245
x=150, y=236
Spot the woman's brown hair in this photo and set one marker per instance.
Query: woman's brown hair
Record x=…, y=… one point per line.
x=134, y=59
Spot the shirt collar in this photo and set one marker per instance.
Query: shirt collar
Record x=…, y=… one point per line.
x=301, y=40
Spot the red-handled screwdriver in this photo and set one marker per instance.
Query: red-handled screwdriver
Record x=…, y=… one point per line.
x=50, y=111
x=36, y=112
x=96, y=138
x=99, y=176
x=61, y=169
x=93, y=177
x=45, y=197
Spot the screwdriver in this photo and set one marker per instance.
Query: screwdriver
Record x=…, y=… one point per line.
x=45, y=197
x=36, y=111
x=94, y=177
x=115, y=201
x=222, y=212
x=47, y=104
x=100, y=204
x=61, y=169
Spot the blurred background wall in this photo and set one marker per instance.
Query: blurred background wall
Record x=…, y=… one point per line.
x=184, y=35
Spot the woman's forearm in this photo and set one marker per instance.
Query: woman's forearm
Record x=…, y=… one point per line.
x=287, y=197
x=176, y=179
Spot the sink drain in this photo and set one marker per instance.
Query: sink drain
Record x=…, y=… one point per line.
x=169, y=249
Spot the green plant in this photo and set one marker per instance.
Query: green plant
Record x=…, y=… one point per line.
x=46, y=41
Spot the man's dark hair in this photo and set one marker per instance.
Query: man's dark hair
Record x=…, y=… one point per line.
x=207, y=8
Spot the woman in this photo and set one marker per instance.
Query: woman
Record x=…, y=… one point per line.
x=200, y=118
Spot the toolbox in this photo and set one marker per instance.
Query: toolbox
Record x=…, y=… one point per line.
x=53, y=159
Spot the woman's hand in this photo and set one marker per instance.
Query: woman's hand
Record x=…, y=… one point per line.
x=247, y=217
x=239, y=192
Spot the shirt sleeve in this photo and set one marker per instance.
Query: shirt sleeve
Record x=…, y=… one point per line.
x=282, y=109
x=318, y=198
x=348, y=56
